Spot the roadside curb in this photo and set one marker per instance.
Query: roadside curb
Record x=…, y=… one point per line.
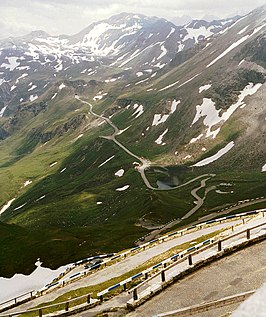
x=195, y=267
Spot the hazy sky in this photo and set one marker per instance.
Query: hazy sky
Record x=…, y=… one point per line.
x=19, y=17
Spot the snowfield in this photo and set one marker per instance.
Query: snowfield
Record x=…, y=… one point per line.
x=21, y=284
x=212, y=116
x=216, y=156
x=234, y=45
x=12, y=63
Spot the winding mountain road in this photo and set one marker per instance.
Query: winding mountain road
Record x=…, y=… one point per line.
x=146, y=163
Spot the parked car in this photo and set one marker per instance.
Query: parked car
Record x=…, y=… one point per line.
x=94, y=264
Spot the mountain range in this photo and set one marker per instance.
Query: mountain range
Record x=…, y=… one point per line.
x=106, y=135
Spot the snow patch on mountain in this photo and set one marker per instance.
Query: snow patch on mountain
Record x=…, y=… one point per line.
x=2, y=111
x=2, y=80
x=159, y=141
x=237, y=43
x=19, y=207
x=21, y=284
x=54, y=96
x=141, y=81
x=120, y=173
x=21, y=77
x=6, y=206
x=164, y=52
x=122, y=188
x=169, y=86
x=212, y=115
x=159, y=118
x=61, y=86
x=32, y=87
x=243, y=30
x=109, y=159
x=216, y=156
x=189, y=80
x=99, y=96
x=92, y=39
x=139, y=110
x=41, y=198
x=174, y=105
x=204, y=88
x=229, y=49
x=12, y=63
x=27, y=183
x=171, y=32
x=193, y=140
x=33, y=97
x=196, y=34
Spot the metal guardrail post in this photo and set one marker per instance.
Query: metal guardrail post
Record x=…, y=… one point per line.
x=190, y=259
x=232, y=228
x=219, y=245
x=101, y=298
x=125, y=286
x=135, y=294
x=146, y=275
x=248, y=234
x=40, y=312
x=88, y=298
x=163, y=276
x=67, y=306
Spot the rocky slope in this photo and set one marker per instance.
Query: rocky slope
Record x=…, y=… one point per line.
x=124, y=46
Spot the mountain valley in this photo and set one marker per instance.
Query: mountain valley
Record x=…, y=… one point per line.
x=124, y=127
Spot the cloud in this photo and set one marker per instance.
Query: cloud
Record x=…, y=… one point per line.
x=69, y=17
